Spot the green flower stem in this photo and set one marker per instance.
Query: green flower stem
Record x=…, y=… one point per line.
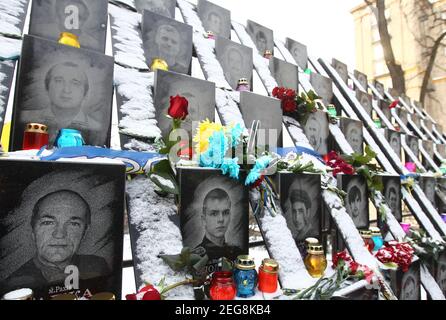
x=178, y=284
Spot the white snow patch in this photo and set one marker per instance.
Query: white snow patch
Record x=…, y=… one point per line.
x=10, y=14
x=10, y=49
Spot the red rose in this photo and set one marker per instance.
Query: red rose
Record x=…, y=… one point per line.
x=178, y=107
x=353, y=267
x=394, y=104
x=147, y=293
x=275, y=91
x=290, y=93
x=289, y=106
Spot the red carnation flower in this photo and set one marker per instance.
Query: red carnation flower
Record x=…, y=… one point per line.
x=178, y=107
x=289, y=106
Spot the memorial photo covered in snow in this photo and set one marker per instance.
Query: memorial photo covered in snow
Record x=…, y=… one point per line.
x=87, y=19
x=63, y=87
x=61, y=225
x=317, y=132
x=285, y=73
x=266, y=110
x=235, y=59
x=299, y=52
x=392, y=194
x=352, y=130
x=167, y=39
x=262, y=37
x=162, y=7
x=301, y=202
x=215, y=18
x=199, y=93
x=356, y=201
x=213, y=214
x=323, y=87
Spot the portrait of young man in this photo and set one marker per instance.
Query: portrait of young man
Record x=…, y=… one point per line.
x=299, y=52
x=316, y=130
x=394, y=139
x=365, y=100
x=215, y=18
x=410, y=284
x=85, y=18
x=341, y=69
x=352, y=130
x=323, y=87
x=165, y=8
x=66, y=221
x=356, y=202
x=413, y=143
x=263, y=37
x=167, y=39
x=428, y=185
x=235, y=59
x=213, y=214
x=63, y=87
x=392, y=194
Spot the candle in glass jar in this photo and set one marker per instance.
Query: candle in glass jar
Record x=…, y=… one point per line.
x=368, y=241
x=377, y=238
x=245, y=276
x=222, y=286
x=268, y=276
x=315, y=261
x=243, y=85
x=69, y=39
x=35, y=136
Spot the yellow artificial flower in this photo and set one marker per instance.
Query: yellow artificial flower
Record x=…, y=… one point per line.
x=204, y=131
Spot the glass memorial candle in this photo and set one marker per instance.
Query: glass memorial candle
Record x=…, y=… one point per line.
x=35, y=136
x=377, y=238
x=367, y=237
x=243, y=85
x=245, y=276
x=20, y=294
x=268, y=276
x=158, y=63
x=331, y=109
x=377, y=123
x=222, y=286
x=69, y=39
x=405, y=226
x=315, y=261
x=69, y=138
x=209, y=35
x=268, y=54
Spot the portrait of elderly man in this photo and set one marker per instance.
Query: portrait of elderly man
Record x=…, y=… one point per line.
x=86, y=19
x=162, y=7
x=67, y=86
x=316, y=130
x=356, y=202
x=167, y=39
x=59, y=222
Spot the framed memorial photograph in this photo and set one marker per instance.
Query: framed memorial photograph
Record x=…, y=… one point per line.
x=392, y=194
x=428, y=185
x=235, y=59
x=298, y=51
x=301, y=202
x=406, y=285
x=63, y=87
x=317, y=131
x=86, y=19
x=366, y=101
x=213, y=214
x=165, y=8
x=266, y=110
x=341, y=69
x=428, y=146
x=394, y=138
x=61, y=226
x=357, y=200
x=263, y=37
x=199, y=93
x=362, y=79
x=440, y=275
x=403, y=115
x=215, y=18
x=352, y=130
x=167, y=39
x=384, y=106
x=416, y=120
x=323, y=87
x=285, y=73
x=380, y=88
x=413, y=144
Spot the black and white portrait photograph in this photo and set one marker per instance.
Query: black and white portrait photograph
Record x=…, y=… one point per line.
x=352, y=130
x=410, y=283
x=441, y=272
x=365, y=100
x=341, y=68
x=199, y=93
x=214, y=213
x=169, y=40
x=61, y=224
x=6, y=76
x=162, y=7
x=413, y=144
x=380, y=88
x=299, y=52
x=301, y=198
x=235, y=59
x=262, y=37
x=428, y=146
x=384, y=106
x=317, y=132
x=215, y=18
x=85, y=18
x=63, y=87
x=394, y=138
x=269, y=112
x=356, y=201
x=416, y=120
x=323, y=87
x=403, y=115
x=392, y=194
x=285, y=73
x=428, y=185
x=362, y=79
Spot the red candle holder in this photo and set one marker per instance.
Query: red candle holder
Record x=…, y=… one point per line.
x=35, y=136
x=268, y=276
x=222, y=286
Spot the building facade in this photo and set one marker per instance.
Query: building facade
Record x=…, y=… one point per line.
x=413, y=26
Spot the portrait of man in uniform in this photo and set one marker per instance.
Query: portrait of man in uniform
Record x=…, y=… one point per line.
x=167, y=39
